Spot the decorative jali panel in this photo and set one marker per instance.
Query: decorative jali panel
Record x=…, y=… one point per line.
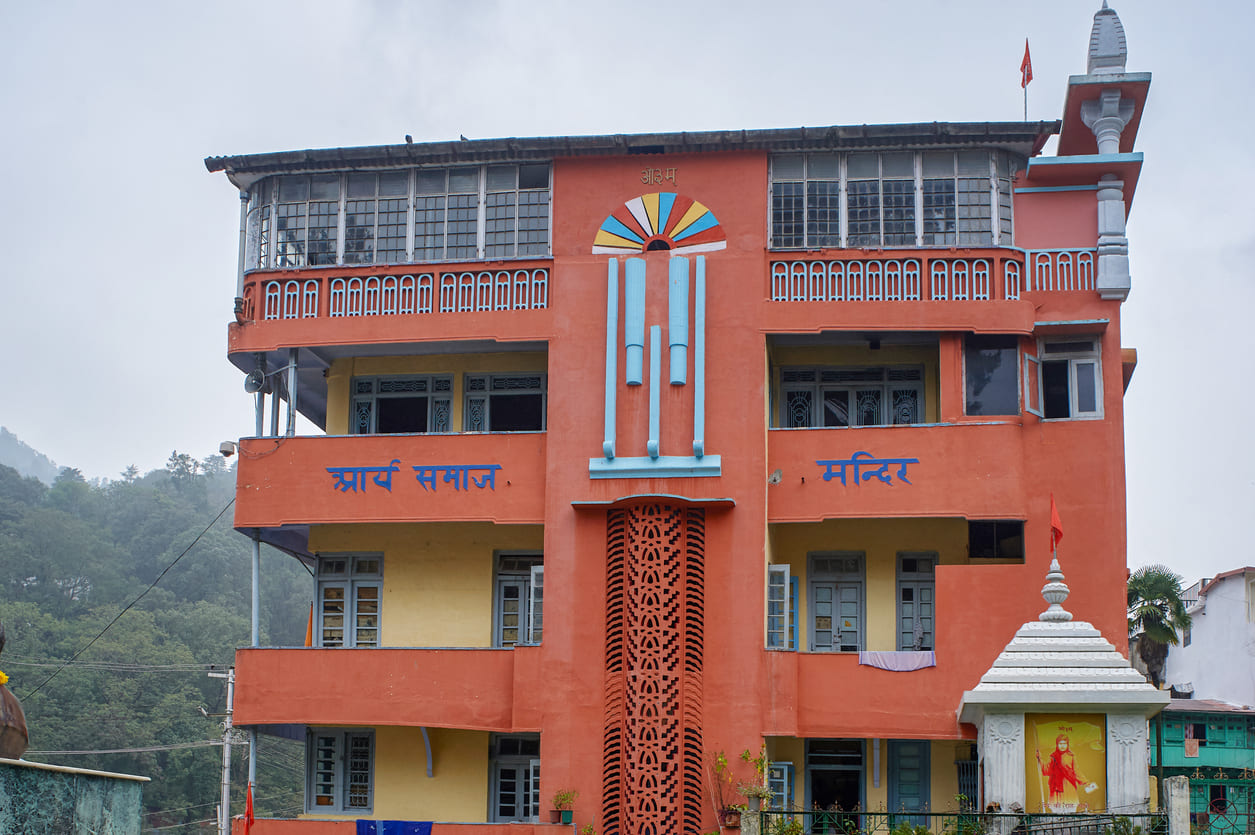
x=655, y=587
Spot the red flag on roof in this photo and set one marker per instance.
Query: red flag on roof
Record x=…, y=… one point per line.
x=1056, y=527
x=1026, y=67
x=248, y=810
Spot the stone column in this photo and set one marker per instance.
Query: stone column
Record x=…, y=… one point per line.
x=1002, y=744
x=1128, y=780
x=1106, y=116
x=1113, y=278
x=1177, y=801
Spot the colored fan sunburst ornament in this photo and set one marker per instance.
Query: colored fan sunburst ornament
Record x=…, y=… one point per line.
x=659, y=221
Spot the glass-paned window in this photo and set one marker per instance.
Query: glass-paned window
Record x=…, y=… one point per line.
x=291, y=214
x=519, y=608
x=838, y=397
x=995, y=539
x=504, y=403
x=401, y=405
x=461, y=213
x=958, y=194
x=836, y=602
x=863, y=200
x=806, y=200
x=916, y=587
x=349, y=590
x=940, y=228
x=780, y=781
x=375, y=216
x=781, y=608
x=1071, y=384
x=1007, y=167
x=462, y=220
x=339, y=773
x=517, y=211
x=897, y=186
x=991, y=377
x=514, y=778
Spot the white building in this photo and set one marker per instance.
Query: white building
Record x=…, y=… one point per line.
x=1216, y=656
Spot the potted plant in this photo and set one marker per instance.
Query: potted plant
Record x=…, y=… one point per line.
x=756, y=791
x=563, y=800
x=755, y=795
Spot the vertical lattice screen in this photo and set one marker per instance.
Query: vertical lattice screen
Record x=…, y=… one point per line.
x=655, y=587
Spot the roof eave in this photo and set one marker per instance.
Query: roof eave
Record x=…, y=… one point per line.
x=1025, y=138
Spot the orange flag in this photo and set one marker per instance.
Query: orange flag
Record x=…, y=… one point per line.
x=1056, y=527
x=309, y=628
x=1026, y=67
x=248, y=810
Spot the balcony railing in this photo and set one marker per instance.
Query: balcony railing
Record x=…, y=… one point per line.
x=942, y=277
x=926, y=470
x=314, y=826
x=855, y=822
x=473, y=688
x=355, y=479
x=453, y=291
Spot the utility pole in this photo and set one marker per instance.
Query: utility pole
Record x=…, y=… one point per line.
x=224, y=811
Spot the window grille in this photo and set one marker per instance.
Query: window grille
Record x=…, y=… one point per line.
x=504, y=403
x=399, y=405
x=339, y=771
x=843, y=397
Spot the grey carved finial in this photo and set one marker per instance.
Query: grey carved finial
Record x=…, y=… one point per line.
x=1108, y=51
x=1055, y=591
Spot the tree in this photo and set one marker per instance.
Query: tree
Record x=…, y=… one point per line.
x=1156, y=615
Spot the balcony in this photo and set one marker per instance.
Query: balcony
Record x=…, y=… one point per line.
x=897, y=471
x=828, y=694
x=497, y=477
x=474, y=689
x=267, y=826
x=367, y=305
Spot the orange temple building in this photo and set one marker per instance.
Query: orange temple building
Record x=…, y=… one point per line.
x=642, y=449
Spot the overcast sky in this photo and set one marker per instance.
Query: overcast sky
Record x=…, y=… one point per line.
x=121, y=248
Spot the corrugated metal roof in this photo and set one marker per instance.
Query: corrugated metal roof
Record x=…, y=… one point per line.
x=1024, y=138
x=1206, y=706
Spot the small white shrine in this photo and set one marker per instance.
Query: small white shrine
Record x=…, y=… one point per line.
x=1061, y=718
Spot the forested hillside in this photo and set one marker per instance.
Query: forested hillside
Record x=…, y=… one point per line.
x=73, y=556
x=25, y=459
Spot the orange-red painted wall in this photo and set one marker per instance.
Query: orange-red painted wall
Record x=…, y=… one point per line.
x=968, y=468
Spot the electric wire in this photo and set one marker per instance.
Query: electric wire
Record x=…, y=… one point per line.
x=117, y=667
x=203, y=805
x=128, y=607
x=174, y=746
x=184, y=825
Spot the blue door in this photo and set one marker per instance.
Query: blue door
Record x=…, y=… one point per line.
x=908, y=780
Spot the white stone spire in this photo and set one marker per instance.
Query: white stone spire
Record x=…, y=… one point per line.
x=1055, y=591
x=1108, y=51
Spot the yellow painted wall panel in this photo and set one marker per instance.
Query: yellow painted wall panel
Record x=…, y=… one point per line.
x=343, y=370
x=438, y=577
x=945, y=774
x=457, y=789
x=880, y=541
